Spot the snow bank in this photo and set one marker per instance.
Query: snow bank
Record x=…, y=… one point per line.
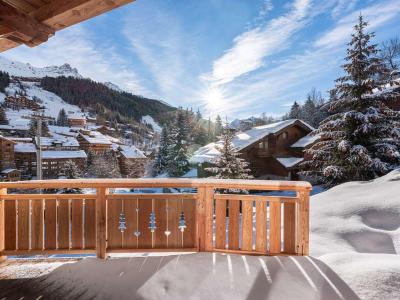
x=357, y=217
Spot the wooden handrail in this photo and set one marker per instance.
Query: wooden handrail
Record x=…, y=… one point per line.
x=269, y=185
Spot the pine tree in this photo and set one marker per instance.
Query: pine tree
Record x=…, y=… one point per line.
x=102, y=165
x=62, y=119
x=295, y=111
x=161, y=161
x=361, y=139
x=308, y=112
x=218, y=126
x=3, y=117
x=178, y=160
x=229, y=165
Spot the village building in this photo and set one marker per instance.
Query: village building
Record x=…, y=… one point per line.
x=76, y=120
x=58, y=142
x=132, y=161
x=8, y=172
x=268, y=149
x=93, y=141
x=21, y=102
x=54, y=162
x=25, y=159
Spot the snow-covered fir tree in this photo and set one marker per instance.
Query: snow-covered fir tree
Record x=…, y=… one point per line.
x=178, y=160
x=102, y=165
x=3, y=117
x=161, y=161
x=229, y=164
x=70, y=170
x=62, y=119
x=361, y=139
x=218, y=126
x=295, y=111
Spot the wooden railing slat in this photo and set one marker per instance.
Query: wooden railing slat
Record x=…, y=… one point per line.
x=10, y=225
x=37, y=225
x=234, y=224
x=23, y=224
x=114, y=235
x=50, y=220
x=90, y=224
x=220, y=224
x=145, y=238
x=3, y=192
x=274, y=227
x=129, y=239
x=189, y=235
x=261, y=227
x=289, y=227
x=247, y=226
x=63, y=222
x=77, y=224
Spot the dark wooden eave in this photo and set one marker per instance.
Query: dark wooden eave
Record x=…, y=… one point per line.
x=32, y=22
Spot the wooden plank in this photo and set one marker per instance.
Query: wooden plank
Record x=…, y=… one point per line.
x=76, y=223
x=220, y=224
x=145, y=238
x=90, y=224
x=10, y=225
x=47, y=196
x=23, y=224
x=3, y=192
x=160, y=239
x=48, y=252
x=247, y=226
x=63, y=221
x=209, y=210
x=255, y=198
x=175, y=237
x=261, y=227
x=274, y=227
x=101, y=233
x=129, y=239
x=159, y=196
x=304, y=222
x=189, y=235
x=234, y=224
x=289, y=227
x=37, y=221
x=50, y=221
x=114, y=235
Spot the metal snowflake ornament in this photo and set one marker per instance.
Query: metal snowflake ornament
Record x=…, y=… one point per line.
x=137, y=233
x=122, y=222
x=182, y=222
x=152, y=223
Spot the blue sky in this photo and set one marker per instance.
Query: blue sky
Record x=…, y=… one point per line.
x=235, y=58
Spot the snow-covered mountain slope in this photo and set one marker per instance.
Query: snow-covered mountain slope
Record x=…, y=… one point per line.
x=52, y=103
x=113, y=86
x=19, y=69
x=355, y=229
x=150, y=121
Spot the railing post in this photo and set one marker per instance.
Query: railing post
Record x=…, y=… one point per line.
x=303, y=237
x=204, y=217
x=101, y=242
x=2, y=226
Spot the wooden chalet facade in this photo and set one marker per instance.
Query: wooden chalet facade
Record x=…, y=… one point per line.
x=25, y=159
x=92, y=141
x=132, y=161
x=8, y=172
x=268, y=150
x=21, y=102
x=54, y=162
x=76, y=121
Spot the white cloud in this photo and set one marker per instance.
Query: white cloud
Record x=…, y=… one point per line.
x=251, y=47
x=73, y=46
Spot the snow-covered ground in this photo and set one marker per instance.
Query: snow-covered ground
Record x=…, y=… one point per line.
x=355, y=229
x=150, y=121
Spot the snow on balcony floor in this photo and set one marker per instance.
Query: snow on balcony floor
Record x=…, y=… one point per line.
x=184, y=276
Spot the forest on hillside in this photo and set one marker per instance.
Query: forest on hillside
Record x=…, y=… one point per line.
x=109, y=104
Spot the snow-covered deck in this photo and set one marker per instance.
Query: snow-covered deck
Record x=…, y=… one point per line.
x=185, y=276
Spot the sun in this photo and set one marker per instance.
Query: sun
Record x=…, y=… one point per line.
x=214, y=97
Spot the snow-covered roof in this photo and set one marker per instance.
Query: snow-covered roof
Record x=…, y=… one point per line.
x=14, y=127
x=289, y=162
x=192, y=173
x=7, y=139
x=6, y=171
x=306, y=140
x=50, y=154
x=25, y=148
x=244, y=139
x=131, y=152
x=64, y=130
x=65, y=141
x=20, y=139
x=96, y=138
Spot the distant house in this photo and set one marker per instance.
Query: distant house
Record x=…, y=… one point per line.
x=58, y=142
x=25, y=158
x=76, y=119
x=8, y=171
x=53, y=162
x=21, y=102
x=132, y=161
x=268, y=149
x=93, y=141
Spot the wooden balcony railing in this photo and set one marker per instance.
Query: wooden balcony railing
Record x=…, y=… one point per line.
x=103, y=221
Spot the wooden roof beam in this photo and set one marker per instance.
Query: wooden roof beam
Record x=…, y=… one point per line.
x=23, y=28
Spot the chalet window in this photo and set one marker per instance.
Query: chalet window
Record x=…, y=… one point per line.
x=284, y=135
x=263, y=145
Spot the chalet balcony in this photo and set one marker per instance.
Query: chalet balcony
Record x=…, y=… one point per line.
x=103, y=220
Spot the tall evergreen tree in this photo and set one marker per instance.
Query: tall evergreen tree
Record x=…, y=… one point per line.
x=33, y=128
x=295, y=111
x=218, y=126
x=3, y=117
x=229, y=165
x=361, y=139
x=161, y=161
x=62, y=119
x=178, y=161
